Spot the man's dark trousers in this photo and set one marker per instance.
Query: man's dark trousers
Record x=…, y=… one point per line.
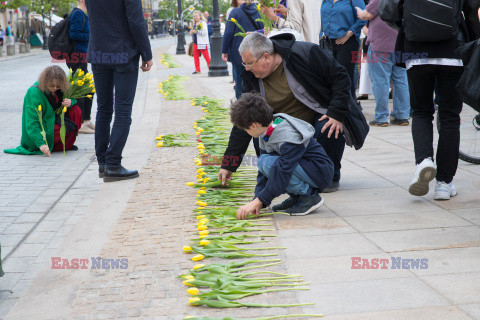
x=123, y=78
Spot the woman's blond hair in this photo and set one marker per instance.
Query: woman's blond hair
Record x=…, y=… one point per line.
x=202, y=17
x=51, y=74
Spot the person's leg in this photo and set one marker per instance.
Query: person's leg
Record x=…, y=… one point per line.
x=300, y=183
x=380, y=70
x=449, y=108
x=238, y=80
x=206, y=56
x=125, y=81
x=196, y=57
x=401, y=95
x=103, y=76
x=333, y=147
x=421, y=81
x=343, y=55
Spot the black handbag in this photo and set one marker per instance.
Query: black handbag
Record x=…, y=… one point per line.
x=390, y=11
x=469, y=84
x=356, y=127
x=326, y=44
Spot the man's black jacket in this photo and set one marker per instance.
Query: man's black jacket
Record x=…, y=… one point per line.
x=316, y=70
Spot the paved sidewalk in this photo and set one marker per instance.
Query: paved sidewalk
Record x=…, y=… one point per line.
x=34, y=51
x=372, y=217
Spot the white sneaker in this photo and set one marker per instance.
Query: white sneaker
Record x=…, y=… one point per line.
x=424, y=173
x=444, y=191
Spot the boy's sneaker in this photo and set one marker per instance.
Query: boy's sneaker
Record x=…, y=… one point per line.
x=424, y=173
x=305, y=205
x=374, y=123
x=290, y=202
x=399, y=122
x=444, y=191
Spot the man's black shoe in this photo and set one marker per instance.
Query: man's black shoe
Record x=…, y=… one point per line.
x=305, y=205
x=74, y=148
x=119, y=173
x=334, y=185
x=286, y=204
x=101, y=170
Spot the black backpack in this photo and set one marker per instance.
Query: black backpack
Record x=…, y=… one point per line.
x=59, y=42
x=431, y=20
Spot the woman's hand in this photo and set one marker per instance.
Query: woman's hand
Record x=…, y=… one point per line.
x=225, y=57
x=282, y=10
x=67, y=103
x=45, y=150
x=344, y=39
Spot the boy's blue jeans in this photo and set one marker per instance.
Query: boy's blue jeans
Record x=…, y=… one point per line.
x=300, y=181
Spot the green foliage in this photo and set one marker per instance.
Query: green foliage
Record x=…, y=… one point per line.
x=61, y=6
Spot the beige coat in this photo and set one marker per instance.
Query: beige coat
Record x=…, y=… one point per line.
x=303, y=16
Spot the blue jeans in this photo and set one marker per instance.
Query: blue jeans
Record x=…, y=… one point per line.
x=381, y=72
x=333, y=147
x=237, y=71
x=121, y=79
x=300, y=181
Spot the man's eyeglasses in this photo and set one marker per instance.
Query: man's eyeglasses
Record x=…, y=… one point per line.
x=250, y=65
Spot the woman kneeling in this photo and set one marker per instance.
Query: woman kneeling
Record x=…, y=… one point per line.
x=45, y=100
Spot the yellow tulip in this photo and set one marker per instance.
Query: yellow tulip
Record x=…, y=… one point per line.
x=93, y=91
x=201, y=237
x=187, y=283
x=189, y=317
x=190, y=184
x=202, y=188
x=89, y=96
x=202, y=227
x=64, y=109
x=197, y=133
x=203, y=221
x=200, y=170
x=193, y=291
x=201, y=192
x=160, y=144
x=200, y=129
x=202, y=203
x=233, y=20
x=204, y=243
x=189, y=277
x=40, y=108
x=198, y=266
x=90, y=86
x=159, y=138
x=198, y=257
x=201, y=217
x=204, y=233
x=193, y=301
x=187, y=249
x=205, y=103
x=73, y=82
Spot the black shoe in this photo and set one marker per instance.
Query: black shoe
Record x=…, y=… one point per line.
x=374, y=123
x=363, y=97
x=286, y=204
x=101, y=170
x=74, y=148
x=334, y=185
x=119, y=173
x=390, y=95
x=399, y=122
x=196, y=72
x=305, y=205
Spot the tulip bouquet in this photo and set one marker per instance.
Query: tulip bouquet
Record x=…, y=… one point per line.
x=81, y=85
x=173, y=140
x=199, y=26
x=268, y=24
x=167, y=60
x=172, y=88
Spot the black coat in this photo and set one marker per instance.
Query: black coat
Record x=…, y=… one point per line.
x=118, y=32
x=321, y=76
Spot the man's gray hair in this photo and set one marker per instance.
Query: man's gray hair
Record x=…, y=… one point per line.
x=257, y=44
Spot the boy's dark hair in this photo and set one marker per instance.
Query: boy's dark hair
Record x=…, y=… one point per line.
x=250, y=108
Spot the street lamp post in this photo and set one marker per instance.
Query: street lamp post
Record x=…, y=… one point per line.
x=181, y=33
x=45, y=45
x=218, y=67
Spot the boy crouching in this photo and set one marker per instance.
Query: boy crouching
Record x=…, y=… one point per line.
x=290, y=161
